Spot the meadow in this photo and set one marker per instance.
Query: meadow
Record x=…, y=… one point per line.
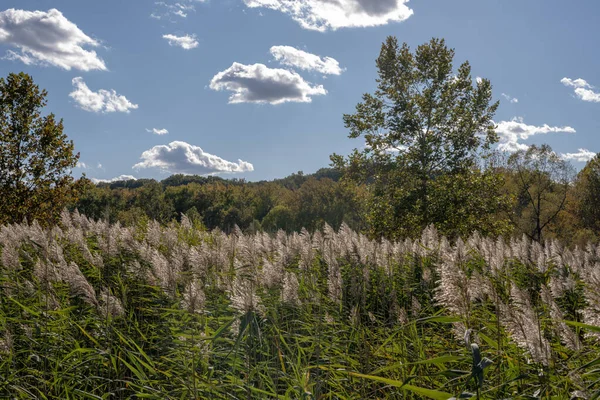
x=92, y=310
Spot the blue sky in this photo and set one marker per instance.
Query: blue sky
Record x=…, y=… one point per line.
x=266, y=83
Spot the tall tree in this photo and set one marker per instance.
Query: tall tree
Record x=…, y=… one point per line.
x=35, y=156
x=542, y=182
x=424, y=121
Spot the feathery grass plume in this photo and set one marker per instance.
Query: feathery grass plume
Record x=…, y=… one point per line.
x=162, y=271
x=194, y=297
x=272, y=274
x=153, y=233
x=78, y=284
x=283, y=251
x=76, y=237
x=250, y=251
x=197, y=261
x=496, y=259
x=591, y=254
x=538, y=256
x=109, y=305
x=454, y=290
x=243, y=296
x=65, y=219
x=555, y=252
x=46, y=273
x=169, y=241
x=429, y=240
x=523, y=324
x=185, y=222
x=6, y=343
x=575, y=259
x=80, y=221
x=306, y=250
x=591, y=313
x=289, y=294
x=318, y=240
x=568, y=337
x=109, y=241
x=521, y=249
x=10, y=251
x=334, y=273
x=562, y=282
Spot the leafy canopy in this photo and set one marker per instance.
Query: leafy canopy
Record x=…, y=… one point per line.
x=423, y=122
x=35, y=155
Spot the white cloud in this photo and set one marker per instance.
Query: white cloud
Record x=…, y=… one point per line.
x=180, y=9
x=104, y=101
x=583, y=155
x=511, y=132
x=576, y=83
x=260, y=84
x=293, y=57
x=47, y=38
x=116, y=179
x=183, y=158
x=583, y=90
x=509, y=98
x=186, y=42
x=81, y=165
x=322, y=15
x=157, y=131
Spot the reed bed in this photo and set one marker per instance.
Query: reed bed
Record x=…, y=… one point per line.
x=90, y=310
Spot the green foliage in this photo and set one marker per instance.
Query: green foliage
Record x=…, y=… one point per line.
x=309, y=203
x=35, y=155
x=422, y=128
x=542, y=181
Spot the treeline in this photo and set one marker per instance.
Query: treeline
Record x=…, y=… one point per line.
x=295, y=202
x=569, y=212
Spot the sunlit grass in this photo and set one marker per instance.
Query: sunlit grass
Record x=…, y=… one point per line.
x=94, y=311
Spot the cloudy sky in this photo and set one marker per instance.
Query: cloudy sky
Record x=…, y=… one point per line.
x=256, y=89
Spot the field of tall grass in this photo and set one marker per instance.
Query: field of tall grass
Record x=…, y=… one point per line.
x=90, y=310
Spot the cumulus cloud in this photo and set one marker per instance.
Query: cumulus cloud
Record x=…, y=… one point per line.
x=583, y=90
x=184, y=158
x=81, y=165
x=260, y=84
x=583, y=155
x=116, y=179
x=104, y=101
x=186, y=42
x=509, y=98
x=157, y=131
x=47, y=38
x=292, y=57
x=511, y=132
x=322, y=15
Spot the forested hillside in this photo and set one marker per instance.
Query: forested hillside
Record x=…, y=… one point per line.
x=568, y=212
